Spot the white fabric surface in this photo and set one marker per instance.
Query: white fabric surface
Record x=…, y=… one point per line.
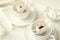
x=19, y=33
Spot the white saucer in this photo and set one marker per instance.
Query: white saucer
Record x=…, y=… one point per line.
x=16, y=20
x=28, y=20
x=31, y=36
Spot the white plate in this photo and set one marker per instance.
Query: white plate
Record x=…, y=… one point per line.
x=16, y=20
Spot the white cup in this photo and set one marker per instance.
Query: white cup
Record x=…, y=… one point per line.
x=45, y=27
x=22, y=9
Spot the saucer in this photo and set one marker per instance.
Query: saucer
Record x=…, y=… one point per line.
x=28, y=20
x=31, y=36
x=16, y=20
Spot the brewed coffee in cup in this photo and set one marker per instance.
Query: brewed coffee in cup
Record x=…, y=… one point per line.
x=41, y=27
x=22, y=9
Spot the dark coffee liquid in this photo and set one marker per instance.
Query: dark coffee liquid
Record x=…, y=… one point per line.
x=41, y=27
x=20, y=6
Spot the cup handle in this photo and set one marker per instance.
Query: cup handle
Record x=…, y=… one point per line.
x=51, y=37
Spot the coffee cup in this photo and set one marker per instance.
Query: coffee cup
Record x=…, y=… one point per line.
x=22, y=9
x=41, y=29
